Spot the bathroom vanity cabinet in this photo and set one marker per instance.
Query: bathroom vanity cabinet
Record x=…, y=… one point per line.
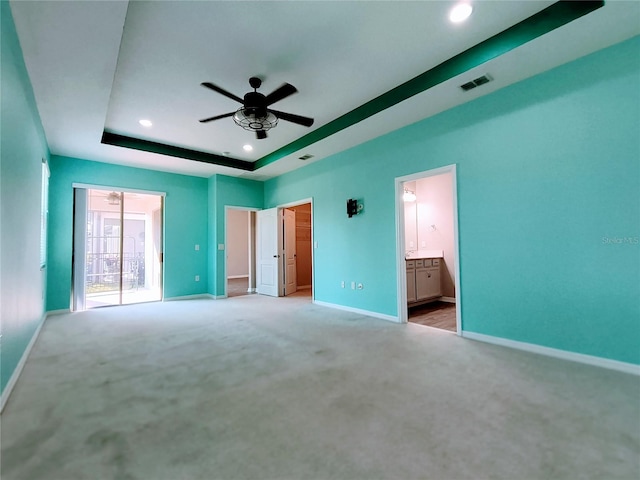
x=423, y=279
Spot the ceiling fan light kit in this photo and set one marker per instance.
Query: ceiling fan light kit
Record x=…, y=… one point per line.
x=254, y=115
x=250, y=119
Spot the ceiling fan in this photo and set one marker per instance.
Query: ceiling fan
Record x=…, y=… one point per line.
x=254, y=114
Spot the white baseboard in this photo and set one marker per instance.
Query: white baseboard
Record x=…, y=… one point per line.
x=251, y=290
x=554, y=352
x=193, y=297
x=237, y=276
x=448, y=299
x=58, y=312
x=369, y=313
x=18, y=370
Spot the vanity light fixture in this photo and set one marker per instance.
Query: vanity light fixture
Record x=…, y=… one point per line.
x=460, y=12
x=409, y=196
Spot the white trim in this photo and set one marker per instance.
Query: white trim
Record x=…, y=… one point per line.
x=90, y=186
x=192, y=297
x=556, y=353
x=232, y=277
x=448, y=299
x=297, y=203
x=62, y=311
x=6, y=393
x=368, y=313
x=401, y=292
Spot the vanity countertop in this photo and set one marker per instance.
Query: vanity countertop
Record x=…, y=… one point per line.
x=424, y=254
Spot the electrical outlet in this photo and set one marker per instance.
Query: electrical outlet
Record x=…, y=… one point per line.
x=353, y=285
x=342, y=284
x=197, y=278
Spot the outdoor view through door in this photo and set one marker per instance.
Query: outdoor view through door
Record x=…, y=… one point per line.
x=121, y=247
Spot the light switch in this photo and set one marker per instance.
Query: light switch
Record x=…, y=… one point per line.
x=315, y=244
x=197, y=247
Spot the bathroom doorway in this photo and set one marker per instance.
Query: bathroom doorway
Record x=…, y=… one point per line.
x=427, y=248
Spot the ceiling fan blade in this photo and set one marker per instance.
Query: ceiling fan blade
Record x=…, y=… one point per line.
x=217, y=117
x=278, y=94
x=222, y=91
x=261, y=134
x=290, y=117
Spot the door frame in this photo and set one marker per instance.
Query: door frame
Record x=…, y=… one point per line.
x=401, y=270
x=297, y=203
x=252, y=246
x=287, y=215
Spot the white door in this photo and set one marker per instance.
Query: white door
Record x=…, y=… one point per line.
x=269, y=232
x=290, y=259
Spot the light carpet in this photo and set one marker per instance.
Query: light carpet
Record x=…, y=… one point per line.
x=256, y=387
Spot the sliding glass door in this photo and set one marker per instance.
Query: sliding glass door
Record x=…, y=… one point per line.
x=117, y=248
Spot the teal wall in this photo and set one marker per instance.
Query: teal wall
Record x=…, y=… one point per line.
x=548, y=169
x=226, y=191
x=22, y=148
x=185, y=223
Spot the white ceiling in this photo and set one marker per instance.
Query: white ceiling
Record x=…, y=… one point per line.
x=97, y=65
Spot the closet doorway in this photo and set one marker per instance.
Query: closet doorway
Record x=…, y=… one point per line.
x=117, y=247
x=284, y=250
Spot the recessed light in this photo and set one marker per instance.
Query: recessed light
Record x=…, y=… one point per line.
x=145, y=123
x=247, y=148
x=460, y=12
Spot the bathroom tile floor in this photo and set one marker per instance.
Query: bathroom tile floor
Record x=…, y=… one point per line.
x=435, y=314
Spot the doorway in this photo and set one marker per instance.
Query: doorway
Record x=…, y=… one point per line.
x=284, y=253
x=427, y=249
x=117, y=250
x=240, y=262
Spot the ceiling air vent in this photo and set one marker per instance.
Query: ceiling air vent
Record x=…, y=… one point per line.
x=476, y=83
x=305, y=157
